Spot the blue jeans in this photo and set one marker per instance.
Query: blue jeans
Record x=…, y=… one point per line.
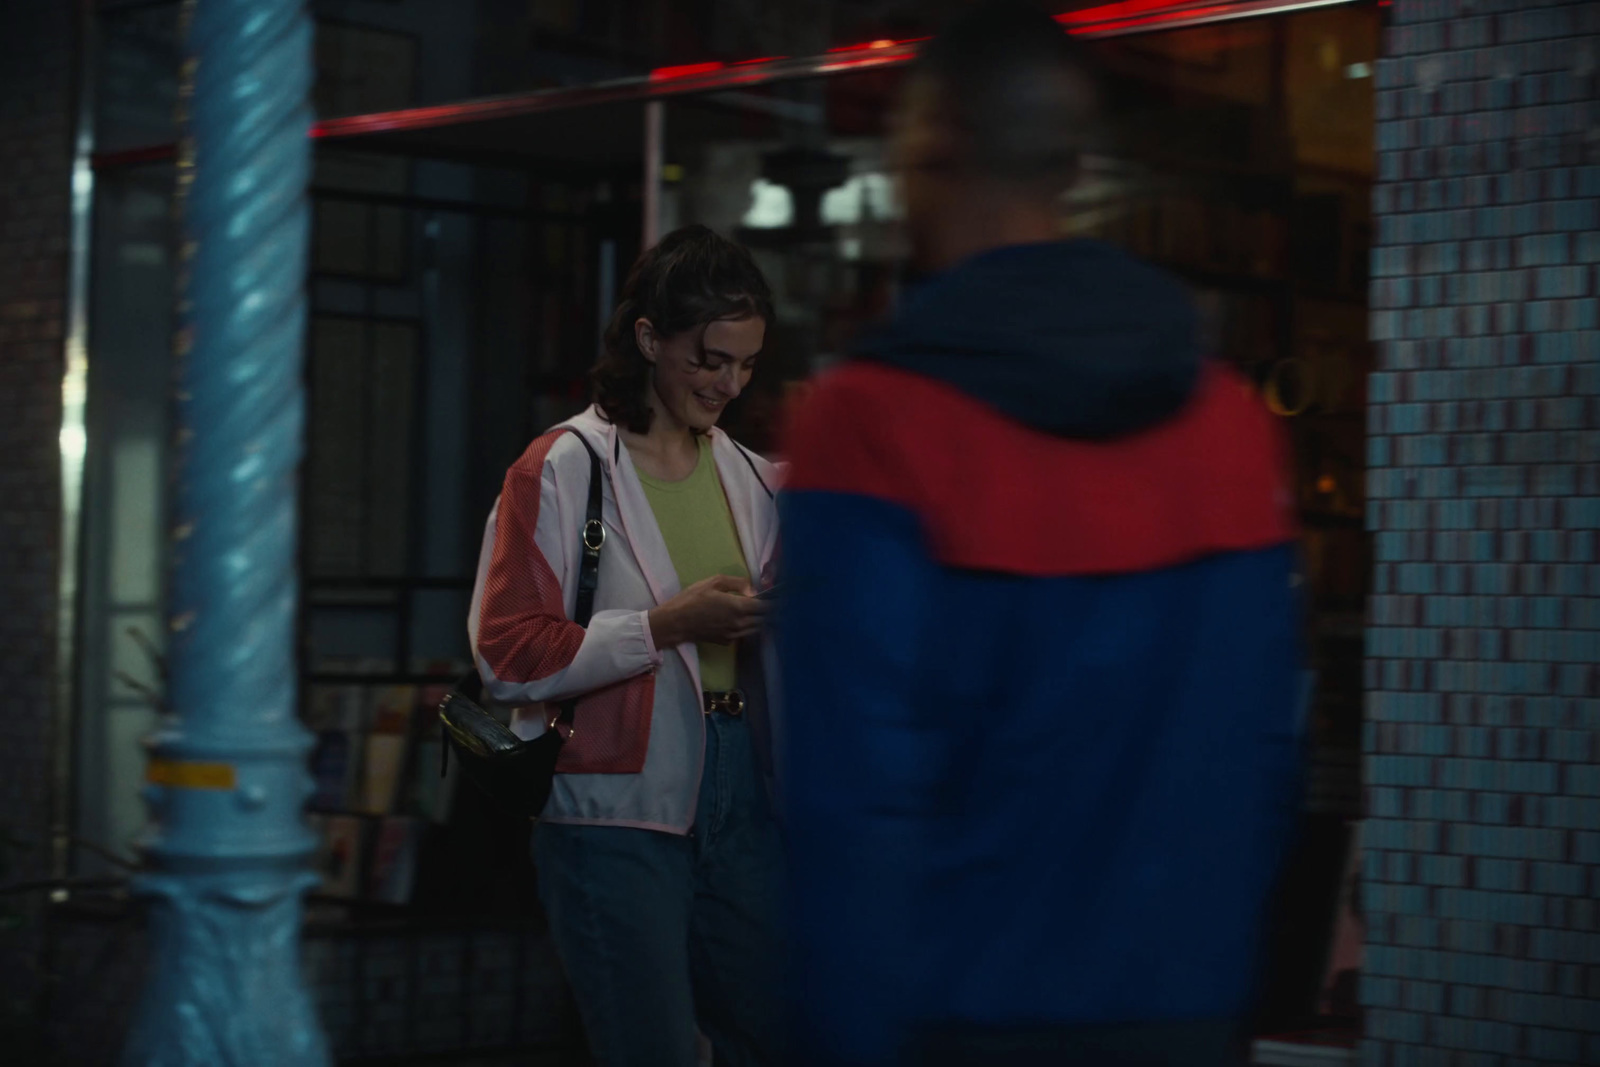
x=658, y=933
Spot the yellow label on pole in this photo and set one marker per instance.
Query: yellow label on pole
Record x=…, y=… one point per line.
x=184, y=775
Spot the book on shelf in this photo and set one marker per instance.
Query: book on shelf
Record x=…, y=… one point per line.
x=392, y=709
x=385, y=748
x=429, y=795
x=337, y=716
x=339, y=859
x=335, y=769
x=383, y=766
x=394, y=860
x=336, y=707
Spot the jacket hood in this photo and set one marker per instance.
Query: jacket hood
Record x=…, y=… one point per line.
x=1075, y=338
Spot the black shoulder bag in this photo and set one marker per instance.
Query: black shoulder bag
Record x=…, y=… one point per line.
x=518, y=774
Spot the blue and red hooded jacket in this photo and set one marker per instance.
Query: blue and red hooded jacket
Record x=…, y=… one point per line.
x=1040, y=650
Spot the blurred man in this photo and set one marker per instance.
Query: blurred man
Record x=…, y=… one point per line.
x=1039, y=631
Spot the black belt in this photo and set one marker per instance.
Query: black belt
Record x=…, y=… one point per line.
x=727, y=701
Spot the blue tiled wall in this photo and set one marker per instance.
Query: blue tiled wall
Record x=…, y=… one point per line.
x=1482, y=739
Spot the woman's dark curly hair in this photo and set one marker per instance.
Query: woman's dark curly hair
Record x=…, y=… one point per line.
x=693, y=277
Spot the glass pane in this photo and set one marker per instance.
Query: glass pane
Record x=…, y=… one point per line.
x=333, y=484
x=138, y=56
x=352, y=639
x=438, y=626
x=375, y=56
x=796, y=173
x=1239, y=157
x=366, y=68
x=455, y=315
x=122, y=589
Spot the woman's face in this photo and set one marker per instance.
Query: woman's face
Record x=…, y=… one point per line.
x=698, y=372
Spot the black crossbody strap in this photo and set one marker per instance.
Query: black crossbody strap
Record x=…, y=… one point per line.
x=590, y=540
x=748, y=459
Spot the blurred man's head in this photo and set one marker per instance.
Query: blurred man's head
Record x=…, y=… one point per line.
x=994, y=120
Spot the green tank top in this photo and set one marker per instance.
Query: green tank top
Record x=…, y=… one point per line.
x=698, y=528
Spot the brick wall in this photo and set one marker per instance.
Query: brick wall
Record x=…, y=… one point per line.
x=1482, y=861
x=36, y=76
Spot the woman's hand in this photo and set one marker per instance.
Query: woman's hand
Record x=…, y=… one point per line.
x=718, y=611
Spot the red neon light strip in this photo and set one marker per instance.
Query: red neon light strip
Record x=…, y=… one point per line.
x=1104, y=20
x=869, y=46
x=851, y=63
x=1121, y=15
x=437, y=115
x=690, y=70
x=687, y=70
x=1154, y=19
x=1117, y=12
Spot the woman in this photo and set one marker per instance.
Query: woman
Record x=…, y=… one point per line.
x=658, y=858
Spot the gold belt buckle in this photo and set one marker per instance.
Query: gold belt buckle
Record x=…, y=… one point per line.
x=729, y=703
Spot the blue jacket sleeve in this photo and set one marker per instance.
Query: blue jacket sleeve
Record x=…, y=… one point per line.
x=858, y=766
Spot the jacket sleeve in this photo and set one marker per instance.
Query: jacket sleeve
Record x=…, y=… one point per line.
x=526, y=645
x=858, y=760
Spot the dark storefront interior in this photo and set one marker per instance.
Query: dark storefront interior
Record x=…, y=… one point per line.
x=464, y=259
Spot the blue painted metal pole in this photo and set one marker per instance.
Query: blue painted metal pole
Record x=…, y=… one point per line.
x=228, y=852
